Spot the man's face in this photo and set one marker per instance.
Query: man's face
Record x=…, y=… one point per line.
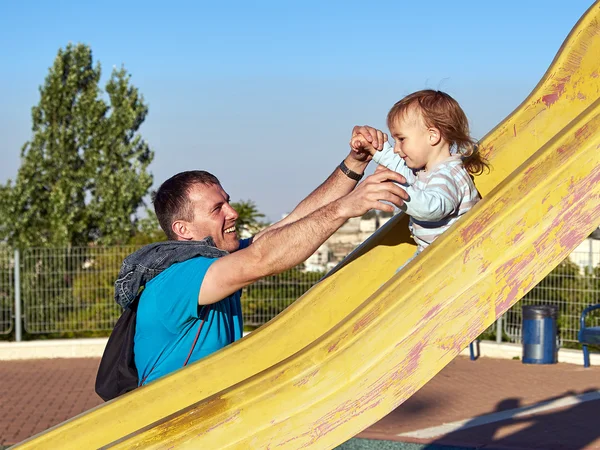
x=213, y=216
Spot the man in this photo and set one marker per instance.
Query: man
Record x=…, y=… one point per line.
x=191, y=308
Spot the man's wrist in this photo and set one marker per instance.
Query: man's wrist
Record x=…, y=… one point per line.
x=350, y=173
x=356, y=165
x=338, y=211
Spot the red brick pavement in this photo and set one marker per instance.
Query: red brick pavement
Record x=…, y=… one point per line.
x=37, y=394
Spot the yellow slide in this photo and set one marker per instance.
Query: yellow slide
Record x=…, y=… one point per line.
x=357, y=345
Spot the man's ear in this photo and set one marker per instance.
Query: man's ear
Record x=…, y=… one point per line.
x=434, y=136
x=181, y=230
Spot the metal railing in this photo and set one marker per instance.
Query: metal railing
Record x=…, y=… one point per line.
x=70, y=290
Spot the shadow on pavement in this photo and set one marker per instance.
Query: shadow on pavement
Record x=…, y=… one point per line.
x=573, y=427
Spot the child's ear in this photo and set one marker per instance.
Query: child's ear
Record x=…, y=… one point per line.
x=434, y=136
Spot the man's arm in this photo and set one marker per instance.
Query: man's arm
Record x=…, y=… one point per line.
x=284, y=247
x=337, y=184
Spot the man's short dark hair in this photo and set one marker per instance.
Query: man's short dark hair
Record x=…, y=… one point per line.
x=172, y=202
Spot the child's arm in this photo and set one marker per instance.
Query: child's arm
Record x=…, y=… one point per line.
x=436, y=202
x=385, y=157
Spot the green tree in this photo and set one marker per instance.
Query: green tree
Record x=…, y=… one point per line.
x=148, y=230
x=565, y=288
x=7, y=289
x=84, y=172
x=249, y=219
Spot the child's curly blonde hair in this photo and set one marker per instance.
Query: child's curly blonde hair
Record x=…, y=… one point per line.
x=441, y=111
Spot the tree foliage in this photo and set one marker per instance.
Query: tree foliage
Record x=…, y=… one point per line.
x=148, y=230
x=83, y=174
x=250, y=218
x=568, y=288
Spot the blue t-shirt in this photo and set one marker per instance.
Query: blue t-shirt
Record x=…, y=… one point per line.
x=168, y=318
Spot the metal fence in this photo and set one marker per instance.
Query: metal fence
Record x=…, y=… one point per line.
x=572, y=286
x=265, y=299
x=7, y=289
x=71, y=290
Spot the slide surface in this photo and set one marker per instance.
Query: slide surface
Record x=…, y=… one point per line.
x=363, y=340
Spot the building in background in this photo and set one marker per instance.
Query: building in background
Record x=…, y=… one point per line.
x=357, y=230
x=353, y=233
x=587, y=254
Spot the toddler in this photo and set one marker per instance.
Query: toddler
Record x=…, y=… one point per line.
x=435, y=153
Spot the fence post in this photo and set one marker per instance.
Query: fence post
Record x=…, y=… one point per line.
x=499, y=330
x=18, y=314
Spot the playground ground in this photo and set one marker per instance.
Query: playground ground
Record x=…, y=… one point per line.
x=483, y=404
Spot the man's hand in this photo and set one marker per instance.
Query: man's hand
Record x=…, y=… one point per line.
x=380, y=168
x=359, y=144
x=372, y=193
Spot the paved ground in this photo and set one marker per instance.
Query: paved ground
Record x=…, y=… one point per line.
x=38, y=394
x=489, y=403
x=507, y=404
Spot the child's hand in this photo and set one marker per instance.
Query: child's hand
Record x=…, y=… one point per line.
x=365, y=141
x=359, y=144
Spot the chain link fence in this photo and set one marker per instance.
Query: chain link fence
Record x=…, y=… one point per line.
x=70, y=290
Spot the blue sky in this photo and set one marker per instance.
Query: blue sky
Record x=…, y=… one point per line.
x=264, y=94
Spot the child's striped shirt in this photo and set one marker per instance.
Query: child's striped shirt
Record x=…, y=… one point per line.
x=437, y=198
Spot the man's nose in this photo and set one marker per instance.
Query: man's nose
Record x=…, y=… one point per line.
x=232, y=213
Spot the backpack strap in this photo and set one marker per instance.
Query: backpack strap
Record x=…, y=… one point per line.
x=205, y=315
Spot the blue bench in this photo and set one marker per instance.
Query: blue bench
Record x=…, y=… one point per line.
x=588, y=335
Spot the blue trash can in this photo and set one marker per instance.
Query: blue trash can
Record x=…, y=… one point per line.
x=539, y=334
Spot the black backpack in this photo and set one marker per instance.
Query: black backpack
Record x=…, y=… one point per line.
x=117, y=373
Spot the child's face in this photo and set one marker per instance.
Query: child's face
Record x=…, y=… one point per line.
x=412, y=139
